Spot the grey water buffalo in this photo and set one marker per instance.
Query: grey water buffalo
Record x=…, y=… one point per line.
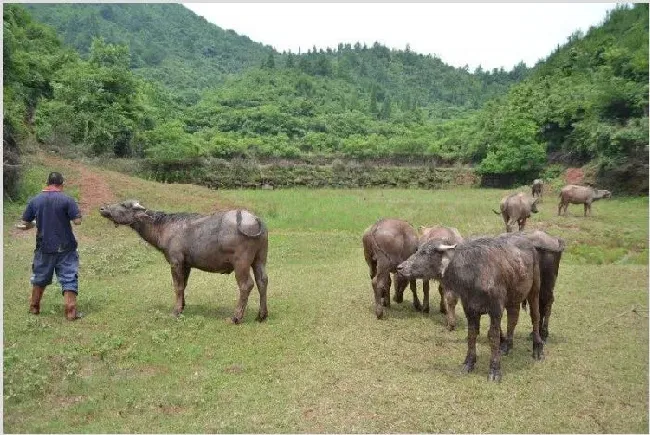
x=574, y=194
x=538, y=187
x=489, y=274
x=385, y=245
x=448, y=300
x=222, y=242
x=549, y=250
x=516, y=208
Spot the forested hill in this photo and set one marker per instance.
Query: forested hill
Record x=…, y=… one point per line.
x=170, y=44
x=588, y=102
x=167, y=42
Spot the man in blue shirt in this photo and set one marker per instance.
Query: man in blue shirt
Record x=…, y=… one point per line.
x=56, y=246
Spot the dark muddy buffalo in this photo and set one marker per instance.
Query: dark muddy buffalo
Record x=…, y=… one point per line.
x=385, y=245
x=448, y=300
x=489, y=275
x=222, y=242
x=549, y=251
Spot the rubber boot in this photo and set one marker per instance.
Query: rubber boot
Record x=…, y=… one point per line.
x=70, y=304
x=35, y=302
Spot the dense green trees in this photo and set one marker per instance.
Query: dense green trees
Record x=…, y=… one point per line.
x=152, y=81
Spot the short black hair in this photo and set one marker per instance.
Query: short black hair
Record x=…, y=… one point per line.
x=55, y=178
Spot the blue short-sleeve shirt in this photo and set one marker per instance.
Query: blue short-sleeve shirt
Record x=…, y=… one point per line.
x=53, y=212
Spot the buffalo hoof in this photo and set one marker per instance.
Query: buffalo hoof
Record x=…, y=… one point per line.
x=494, y=375
x=417, y=306
x=467, y=368
x=451, y=326
x=506, y=347
x=235, y=320
x=379, y=313
x=538, y=351
x=261, y=317
x=443, y=309
x=176, y=313
x=397, y=299
x=468, y=365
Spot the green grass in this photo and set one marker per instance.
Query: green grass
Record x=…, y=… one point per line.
x=322, y=362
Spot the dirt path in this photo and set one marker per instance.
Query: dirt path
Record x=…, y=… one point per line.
x=94, y=190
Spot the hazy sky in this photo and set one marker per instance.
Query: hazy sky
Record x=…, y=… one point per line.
x=489, y=34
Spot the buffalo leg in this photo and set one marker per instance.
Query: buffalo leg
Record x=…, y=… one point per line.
x=450, y=301
x=380, y=282
x=425, y=298
x=513, y=318
x=186, y=277
x=494, y=335
x=245, y=284
x=400, y=286
x=178, y=277
x=538, y=344
x=473, y=327
x=416, y=302
x=522, y=224
x=559, y=209
x=544, y=316
x=262, y=281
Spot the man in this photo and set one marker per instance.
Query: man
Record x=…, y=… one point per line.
x=56, y=246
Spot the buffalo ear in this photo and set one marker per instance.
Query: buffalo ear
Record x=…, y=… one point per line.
x=142, y=216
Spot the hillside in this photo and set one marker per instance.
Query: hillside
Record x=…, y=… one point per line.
x=587, y=103
x=170, y=44
x=167, y=42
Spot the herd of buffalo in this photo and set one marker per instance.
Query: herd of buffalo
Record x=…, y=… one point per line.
x=488, y=274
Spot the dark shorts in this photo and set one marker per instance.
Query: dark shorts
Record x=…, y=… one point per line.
x=65, y=264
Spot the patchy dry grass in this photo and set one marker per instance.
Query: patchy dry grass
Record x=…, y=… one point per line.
x=322, y=362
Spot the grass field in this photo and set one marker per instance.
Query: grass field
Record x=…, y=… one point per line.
x=321, y=362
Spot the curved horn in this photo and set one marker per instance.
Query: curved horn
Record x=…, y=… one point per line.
x=137, y=206
x=445, y=247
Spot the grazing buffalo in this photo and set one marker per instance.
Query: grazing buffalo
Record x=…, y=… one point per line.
x=448, y=300
x=573, y=194
x=538, y=187
x=517, y=208
x=385, y=245
x=489, y=275
x=223, y=242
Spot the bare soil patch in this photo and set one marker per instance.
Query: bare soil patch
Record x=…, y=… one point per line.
x=574, y=176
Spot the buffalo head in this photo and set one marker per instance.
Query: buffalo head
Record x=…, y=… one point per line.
x=124, y=213
x=429, y=262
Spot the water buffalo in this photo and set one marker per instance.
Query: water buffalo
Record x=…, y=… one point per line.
x=222, y=242
x=573, y=194
x=385, y=245
x=549, y=250
x=517, y=208
x=448, y=300
x=538, y=187
x=489, y=274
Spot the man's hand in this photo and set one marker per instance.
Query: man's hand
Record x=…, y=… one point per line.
x=25, y=225
x=77, y=221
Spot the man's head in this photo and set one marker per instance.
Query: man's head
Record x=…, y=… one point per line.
x=55, y=178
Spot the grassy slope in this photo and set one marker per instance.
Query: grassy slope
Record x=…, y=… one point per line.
x=322, y=362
